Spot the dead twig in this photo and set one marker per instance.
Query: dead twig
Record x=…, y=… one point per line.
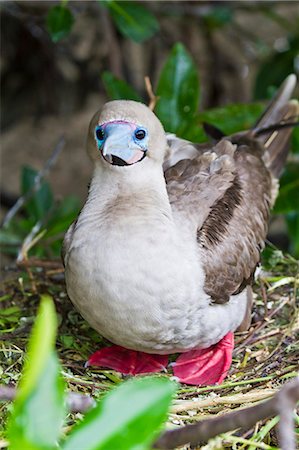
x=44, y=263
x=37, y=182
x=75, y=402
x=152, y=97
x=281, y=404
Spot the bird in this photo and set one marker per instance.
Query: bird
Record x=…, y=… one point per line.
x=162, y=256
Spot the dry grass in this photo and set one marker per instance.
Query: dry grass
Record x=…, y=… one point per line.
x=265, y=357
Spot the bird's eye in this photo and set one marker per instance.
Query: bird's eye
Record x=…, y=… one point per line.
x=100, y=134
x=140, y=134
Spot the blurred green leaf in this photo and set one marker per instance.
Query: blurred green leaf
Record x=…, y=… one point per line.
x=217, y=17
x=118, y=89
x=63, y=215
x=288, y=198
x=295, y=140
x=132, y=19
x=59, y=22
x=292, y=220
x=275, y=69
x=271, y=257
x=233, y=118
x=178, y=89
x=42, y=200
x=39, y=406
x=129, y=417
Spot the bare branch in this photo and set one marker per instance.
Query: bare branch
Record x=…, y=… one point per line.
x=44, y=263
x=37, y=182
x=281, y=404
x=149, y=89
x=75, y=402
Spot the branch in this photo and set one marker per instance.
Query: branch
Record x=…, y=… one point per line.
x=75, y=402
x=152, y=97
x=37, y=182
x=281, y=404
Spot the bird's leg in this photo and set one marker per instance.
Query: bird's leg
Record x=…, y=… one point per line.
x=206, y=366
x=128, y=361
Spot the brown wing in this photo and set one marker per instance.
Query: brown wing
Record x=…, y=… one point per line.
x=227, y=193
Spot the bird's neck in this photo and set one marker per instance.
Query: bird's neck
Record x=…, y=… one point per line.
x=129, y=192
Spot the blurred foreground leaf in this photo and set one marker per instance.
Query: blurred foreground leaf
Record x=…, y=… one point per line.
x=59, y=22
x=132, y=19
x=118, y=89
x=39, y=406
x=129, y=417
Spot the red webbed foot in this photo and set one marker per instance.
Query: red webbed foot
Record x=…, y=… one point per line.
x=206, y=366
x=128, y=361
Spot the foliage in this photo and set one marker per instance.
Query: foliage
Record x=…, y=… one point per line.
x=53, y=217
x=129, y=417
x=59, y=22
x=132, y=19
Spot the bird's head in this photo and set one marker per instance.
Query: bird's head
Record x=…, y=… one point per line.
x=125, y=133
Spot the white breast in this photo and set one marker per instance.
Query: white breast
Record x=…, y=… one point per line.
x=137, y=279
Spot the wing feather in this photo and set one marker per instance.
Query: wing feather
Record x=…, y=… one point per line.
x=226, y=191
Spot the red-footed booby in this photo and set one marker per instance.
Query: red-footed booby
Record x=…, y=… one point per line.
x=161, y=258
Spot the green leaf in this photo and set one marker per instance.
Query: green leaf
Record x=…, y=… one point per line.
x=42, y=200
x=129, y=417
x=275, y=69
x=63, y=215
x=59, y=22
x=295, y=140
x=233, y=118
x=288, y=198
x=39, y=406
x=215, y=18
x=178, y=89
x=118, y=89
x=292, y=220
x=132, y=19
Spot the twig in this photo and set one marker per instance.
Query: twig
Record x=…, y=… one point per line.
x=149, y=89
x=37, y=182
x=282, y=403
x=262, y=325
x=44, y=263
x=75, y=402
x=237, y=399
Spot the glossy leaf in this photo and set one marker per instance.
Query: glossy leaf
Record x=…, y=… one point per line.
x=275, y=69
x=178, y=89
x=129, y=417
x=42, y=200
x=118, y=89
x=39, y=406
x=292, y=220
x=132, y=19
x=233, y=118
x=59, y=22
x=295, y=140
x=288, y=198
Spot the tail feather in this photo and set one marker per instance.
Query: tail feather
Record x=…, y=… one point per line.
x=282, y=113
